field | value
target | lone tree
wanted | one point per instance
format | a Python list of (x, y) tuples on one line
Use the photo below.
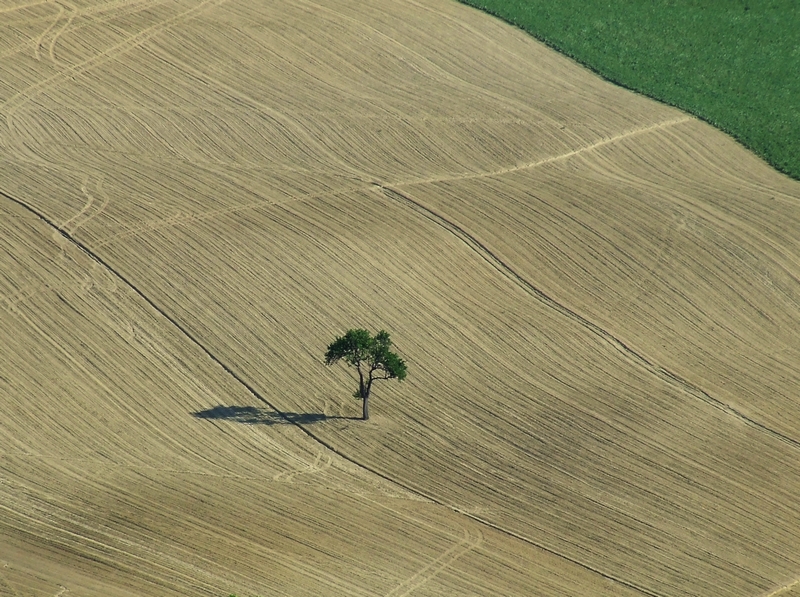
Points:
[(371, 356)]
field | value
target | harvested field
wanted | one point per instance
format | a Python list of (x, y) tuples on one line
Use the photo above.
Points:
[(597, 297)]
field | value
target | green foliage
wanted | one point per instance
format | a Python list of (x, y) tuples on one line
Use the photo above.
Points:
[(358, 348), (353, 347), (733, 63), (371, 356)]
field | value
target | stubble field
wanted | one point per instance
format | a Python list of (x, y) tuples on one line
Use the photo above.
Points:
[(597, 297)]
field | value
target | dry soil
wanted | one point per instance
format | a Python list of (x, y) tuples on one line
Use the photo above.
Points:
[(598, 298)]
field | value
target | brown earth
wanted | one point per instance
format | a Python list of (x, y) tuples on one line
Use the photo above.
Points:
[(597, 297)]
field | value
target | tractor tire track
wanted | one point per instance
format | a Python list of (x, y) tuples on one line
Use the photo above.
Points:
[(52, 48), (784, 588), (550, 160), (261, 398), (40, 39), (14, 103), (180, 219), (662, 373), (85, 215), (188, 219), (467, 544), (321, 464), (21, 6)]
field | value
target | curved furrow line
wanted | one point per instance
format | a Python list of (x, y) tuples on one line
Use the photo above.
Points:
[(710, 156), (34, 41), (167, 438), (160, 564), (40, 39), (460, 82), (599, 466), (706, 211), (187, 219), (661, 372), (116, 5), (6, 587), (260, 397), (86, 207), (52, 48), (716, 174), (129, 5), (96, 212), (17, 49), (320, 464), (310, 143), (13, 300), (181, 220), (609, 173), (100, 550), (15, 102)]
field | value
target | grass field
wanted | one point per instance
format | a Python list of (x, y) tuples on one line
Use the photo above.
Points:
[(734, 63), (597, 295)]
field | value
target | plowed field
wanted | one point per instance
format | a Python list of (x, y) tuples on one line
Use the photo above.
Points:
[(598, 298)]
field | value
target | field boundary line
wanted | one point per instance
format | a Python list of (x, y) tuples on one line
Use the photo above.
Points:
[(507, 271), (256, 394)]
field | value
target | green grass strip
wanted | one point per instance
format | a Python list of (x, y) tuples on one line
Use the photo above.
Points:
[(733, 63)]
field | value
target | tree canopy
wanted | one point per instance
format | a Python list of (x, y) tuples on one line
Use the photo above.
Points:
[(371, 356)]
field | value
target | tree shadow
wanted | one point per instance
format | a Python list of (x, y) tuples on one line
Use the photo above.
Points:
[(252, 415)]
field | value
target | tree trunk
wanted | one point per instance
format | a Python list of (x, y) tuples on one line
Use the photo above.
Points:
[(363, 390), (365, 396)]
